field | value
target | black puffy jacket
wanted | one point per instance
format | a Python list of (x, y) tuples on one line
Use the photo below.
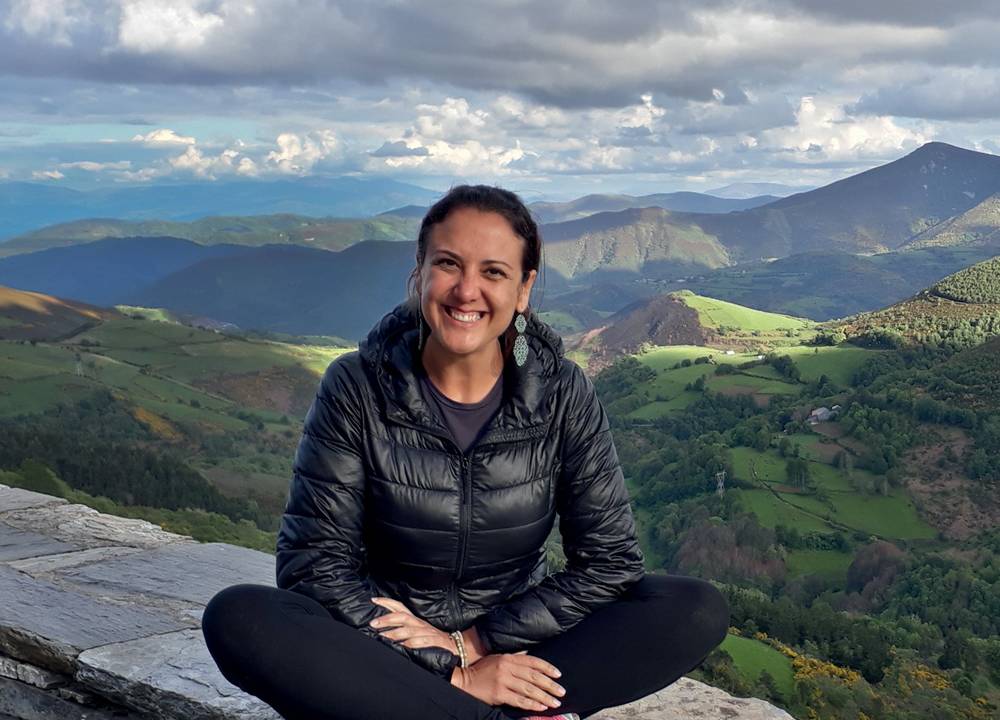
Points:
[(383, 503)]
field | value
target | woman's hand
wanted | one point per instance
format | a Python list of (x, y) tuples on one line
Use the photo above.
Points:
[(401, 625), (518, 680)]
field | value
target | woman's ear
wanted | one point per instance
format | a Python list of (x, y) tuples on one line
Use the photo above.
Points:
[(524, 292)]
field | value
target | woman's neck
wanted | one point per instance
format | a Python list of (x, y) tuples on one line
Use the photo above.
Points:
[(464, 379)]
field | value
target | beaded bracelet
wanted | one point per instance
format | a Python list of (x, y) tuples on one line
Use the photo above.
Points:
[(460, 644)]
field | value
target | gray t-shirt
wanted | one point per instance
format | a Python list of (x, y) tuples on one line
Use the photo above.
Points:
[(465, 420)]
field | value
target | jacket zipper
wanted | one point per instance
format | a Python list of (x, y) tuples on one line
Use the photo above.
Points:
[(465, 519)]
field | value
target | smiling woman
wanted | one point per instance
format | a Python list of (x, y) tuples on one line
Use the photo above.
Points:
[(411, 560)]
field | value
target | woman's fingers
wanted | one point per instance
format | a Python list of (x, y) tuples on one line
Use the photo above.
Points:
[(543, 682), (394, 605), (539, 664)]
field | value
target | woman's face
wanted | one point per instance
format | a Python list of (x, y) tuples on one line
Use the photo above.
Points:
[(472, 267)]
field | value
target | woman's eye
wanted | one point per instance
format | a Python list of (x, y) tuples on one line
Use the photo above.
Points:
[(499, 273)]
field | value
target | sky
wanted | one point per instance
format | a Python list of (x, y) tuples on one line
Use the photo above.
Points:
[(554, 99)]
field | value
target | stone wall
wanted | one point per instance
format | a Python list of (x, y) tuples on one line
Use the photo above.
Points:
[(100, 618)]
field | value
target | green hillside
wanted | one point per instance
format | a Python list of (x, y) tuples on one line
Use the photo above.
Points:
[(227, 406), (979, 284), (961, 310), (980, 225), (720, 315)]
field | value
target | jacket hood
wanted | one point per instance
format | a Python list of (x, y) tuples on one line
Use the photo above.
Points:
[(390, 352)]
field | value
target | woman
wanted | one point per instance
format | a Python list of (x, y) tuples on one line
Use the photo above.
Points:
[(411, 560)]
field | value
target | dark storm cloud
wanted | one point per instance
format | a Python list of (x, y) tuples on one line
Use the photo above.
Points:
[(571, 54)]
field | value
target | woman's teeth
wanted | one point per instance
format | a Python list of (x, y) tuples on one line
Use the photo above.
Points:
[(464, 317)]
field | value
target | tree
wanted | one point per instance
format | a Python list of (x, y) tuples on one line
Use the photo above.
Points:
[(797, 471)]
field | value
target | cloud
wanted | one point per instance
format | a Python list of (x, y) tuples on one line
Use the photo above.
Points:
[(938, 93), (297, 154), (825, 130), (163, 136), (165, 26), (91, 166), (399, 149), (52, 21), (47, 175)]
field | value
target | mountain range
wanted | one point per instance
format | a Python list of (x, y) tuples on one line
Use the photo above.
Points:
[(927, 214), (27, 206)]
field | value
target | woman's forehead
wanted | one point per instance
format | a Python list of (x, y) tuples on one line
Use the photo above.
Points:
[(473, 234)]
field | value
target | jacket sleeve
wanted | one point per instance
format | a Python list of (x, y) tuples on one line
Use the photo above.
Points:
[(320, 549), (598, 532)]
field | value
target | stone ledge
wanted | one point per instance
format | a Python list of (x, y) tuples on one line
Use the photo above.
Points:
[(101, 619)]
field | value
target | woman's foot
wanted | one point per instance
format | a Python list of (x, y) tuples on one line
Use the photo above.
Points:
[(564, 716)]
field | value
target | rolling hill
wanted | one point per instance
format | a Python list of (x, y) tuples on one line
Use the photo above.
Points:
[(107, 272), (961, 310), (552, 212), (648, 242), (979, 226), (26, 206), (684, 318), (323, 233), (35, 316)]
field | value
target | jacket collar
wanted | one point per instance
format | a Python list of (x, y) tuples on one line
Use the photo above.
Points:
[(390, 351)]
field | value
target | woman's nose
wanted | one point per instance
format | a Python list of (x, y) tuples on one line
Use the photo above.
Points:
[(467, 286)]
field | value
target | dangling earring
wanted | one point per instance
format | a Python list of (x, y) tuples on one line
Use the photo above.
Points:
[(420, 324), (520, 343)]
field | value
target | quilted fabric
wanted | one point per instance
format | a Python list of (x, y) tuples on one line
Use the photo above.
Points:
[(383, 503)]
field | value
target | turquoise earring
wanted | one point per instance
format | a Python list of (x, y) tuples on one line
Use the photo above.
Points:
[(520, 342)]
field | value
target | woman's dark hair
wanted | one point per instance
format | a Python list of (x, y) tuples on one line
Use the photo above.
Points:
[(485, 198)]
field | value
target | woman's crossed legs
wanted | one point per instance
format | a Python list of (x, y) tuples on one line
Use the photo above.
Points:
[(285, 648)]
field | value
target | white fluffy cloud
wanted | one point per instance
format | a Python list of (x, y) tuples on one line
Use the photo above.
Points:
[(167, 26), (163, 136), (298, 153), (52, 21), (825, 131), (91, 166)]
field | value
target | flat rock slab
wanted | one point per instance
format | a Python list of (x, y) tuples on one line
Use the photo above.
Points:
[(687, 699), (49, 625), (171, 676), (193, 572), (19, 701), (36, 566), (18, 499), (19, 544), (86, 528)]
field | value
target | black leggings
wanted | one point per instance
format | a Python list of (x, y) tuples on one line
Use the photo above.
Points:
[(285, 648)]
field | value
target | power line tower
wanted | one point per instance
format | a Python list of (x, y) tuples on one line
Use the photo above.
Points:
[(720, 483)]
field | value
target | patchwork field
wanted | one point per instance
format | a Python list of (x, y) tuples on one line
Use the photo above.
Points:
[(752, 657)]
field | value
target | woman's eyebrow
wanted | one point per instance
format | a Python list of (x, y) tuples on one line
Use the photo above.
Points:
[(484, 262)]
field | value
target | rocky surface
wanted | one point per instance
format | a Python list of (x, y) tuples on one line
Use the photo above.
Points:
[(100, 619)]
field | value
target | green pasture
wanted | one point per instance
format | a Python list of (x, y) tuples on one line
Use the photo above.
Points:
[(769, 465), (750, 384), (659, 408), (190, 355), (715, 313), (771, 512), (561, 322), (892, 516), (812, 447), (751, 657), (830, 564), (836, 362), (664, 357)]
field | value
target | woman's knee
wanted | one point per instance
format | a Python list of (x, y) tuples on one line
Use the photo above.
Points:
[(227, 617), (697, 603)]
